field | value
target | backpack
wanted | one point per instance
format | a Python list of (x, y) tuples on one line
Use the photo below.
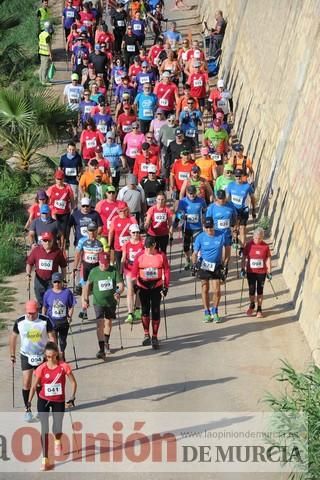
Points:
[(213, 67)]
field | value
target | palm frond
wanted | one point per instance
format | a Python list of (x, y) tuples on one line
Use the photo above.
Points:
[(15, 110), (9, 22)]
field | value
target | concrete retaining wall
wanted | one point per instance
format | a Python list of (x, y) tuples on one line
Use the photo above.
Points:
[(271, 63)]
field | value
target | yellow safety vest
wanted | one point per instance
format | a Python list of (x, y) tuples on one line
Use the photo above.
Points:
[(43, 45), (45, 16)]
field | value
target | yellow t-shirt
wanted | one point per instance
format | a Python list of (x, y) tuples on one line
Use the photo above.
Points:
[(206, 165)]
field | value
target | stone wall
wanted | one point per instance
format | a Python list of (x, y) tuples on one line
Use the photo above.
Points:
[(271, 63)]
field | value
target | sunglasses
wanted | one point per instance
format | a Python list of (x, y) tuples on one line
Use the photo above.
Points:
[(57, 281), (111, 193), (149, 138), (46, 241), (135, 233), (190, 103), (85, 206)]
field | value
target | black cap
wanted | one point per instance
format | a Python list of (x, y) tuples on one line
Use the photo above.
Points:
[(238, 172), (221, 194), (179, 131), (191, 189), (149, 242), (238, 147), (92, 226), (208, 222), (145, 146)]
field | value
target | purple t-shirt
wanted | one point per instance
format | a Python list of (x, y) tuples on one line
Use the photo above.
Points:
[(58, 304)]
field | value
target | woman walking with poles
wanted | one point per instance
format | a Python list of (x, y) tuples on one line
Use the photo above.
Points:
[(51, 376)]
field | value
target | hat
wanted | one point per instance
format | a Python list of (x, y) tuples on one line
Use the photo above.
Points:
[(90, 65), (85, 201), (216, 122), (74, 76), (208, 222), (44, 208), (132, 179), (179, 131), (111, 188), (196, 63), (159, 110), (102, 103), (149, 242), (85, 56), (204, 150), (110, 135), (238, 172), (134, 228), (221, 194), (32, 306), (97, 46), (220, 83), (191, 189), (98, 149), (228, 167), (152, 168), (171, 116), (57, 277), (92, 226), (47, 236), (145, 64), (238, 147), (122, 205), (134, 124), (145, 146), (196, 169), (59, 174), (104, 258), (185, 152), (41, 195), (166, 74)]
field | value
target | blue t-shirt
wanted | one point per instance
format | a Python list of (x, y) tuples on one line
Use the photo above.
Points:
[(189, 122), (193, 211), (113, 153), (69, 15), (85, 109), (58, 304), (172, 36), (80, 221), (222, 215), (138, 28), (121, 89), (144, 77), (71, 167), (103, 122), (239, 193), (210, 247), (147, 105)]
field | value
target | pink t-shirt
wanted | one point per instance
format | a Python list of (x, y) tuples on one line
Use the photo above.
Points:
[(134, 143), (156, 125)]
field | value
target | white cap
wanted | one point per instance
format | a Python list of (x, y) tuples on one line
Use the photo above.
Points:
[(134, 228), (166, 74), (152, 168), (220, 83), (85, 201)]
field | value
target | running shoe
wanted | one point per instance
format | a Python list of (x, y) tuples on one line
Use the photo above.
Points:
[(108, 349), (45, 465), (215, 318), (129, 319), (146, 341), (251, 311), (137, 315), (259, 314), (28, 417), (155, 343), (101, 355), (207, 318), (187, 265)]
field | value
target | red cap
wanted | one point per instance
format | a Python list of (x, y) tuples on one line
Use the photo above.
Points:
[(104, 258), (47, 236), (59, 174), (122, 205), (32, 306)]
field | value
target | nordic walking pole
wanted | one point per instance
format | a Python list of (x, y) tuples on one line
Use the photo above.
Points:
[(118, 315), (165, 317), (74, 348), (29, 286), (195, 287), (225, 296), (170, 250), (13, 405), (274, 292), (241, 293)]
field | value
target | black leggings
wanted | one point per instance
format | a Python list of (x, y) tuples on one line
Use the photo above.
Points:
[(256, 283), (161, 242), (62, 333), (57, 409), (150, 299)]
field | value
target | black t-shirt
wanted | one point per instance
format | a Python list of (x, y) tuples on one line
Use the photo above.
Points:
[(119, 20), (131, 41), (99, 61), (152, 187), (174, 150)]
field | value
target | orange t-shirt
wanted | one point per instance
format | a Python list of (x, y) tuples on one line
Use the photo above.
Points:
[(88, 177), (206, 165), (181, 172)]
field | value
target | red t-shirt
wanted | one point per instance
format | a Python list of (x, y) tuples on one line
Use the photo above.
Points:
[(89, 140), (87, 19), (153, 53), (134, 70), (159, 221), (151, 268), (195, 54), (60, 198), (141, 163), (257, 255), (103, 165), (46, 263), (53, 381), (166, 95), (131, 250), (120, 227), (181, 172), (107, 211), (198, 82), (154, 150), (125, 121)]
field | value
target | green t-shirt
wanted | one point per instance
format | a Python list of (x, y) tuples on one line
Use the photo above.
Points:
[(222, 182), (216, 138), (104, 285)]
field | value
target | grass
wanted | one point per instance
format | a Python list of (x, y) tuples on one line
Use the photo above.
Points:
[(7, 295)]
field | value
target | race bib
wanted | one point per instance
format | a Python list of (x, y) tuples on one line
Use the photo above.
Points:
[(104, 285), (51, 390), (198, 83), (160, 217), (71, 172), (117, 80), (144, 80), (223, 223), (147, 112), (103, 128), (120, 23), (84, 231), (127, 128), (256, 263), (87, 23), (131, 48), (133, 152), (236, 199), (150, 273), (87, 109), (59, 311), (151, 201), (91, 257), (208, 266), (113, 171), (60, 204), (163, 102), (35, 360), (144, 167), (137, 26), (191, 133), (123, 240), (216, 157), (70, 14), (91, 143), (223, 104), (132, 255), (45, 264), (192, 218), (183, 175)]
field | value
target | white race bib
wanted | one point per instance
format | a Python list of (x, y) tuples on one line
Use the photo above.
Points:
[(120, 23), (103, 128), (45, 264), (183, 175), (113, 171), (191, 133), (133, 152), (84, 231), (208, 266), (123, 240), (60, 204), (160, 217), (143, 80), (223, 223), (105, 284), (91, 257), (71, 172), (87, 109), (132, 255), (35, 360), (131, 48), (163, 102), (137, 26), (256, 263), (192, 218), (236, 200), (198, 83), (144, 167), (223, 104), (150, 273), (127, 128), (70, 14), (59, 311), (151, 201), (51, 390), (147, 112), (216, 157), (91, 143)]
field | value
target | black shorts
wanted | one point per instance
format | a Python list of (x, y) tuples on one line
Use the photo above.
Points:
[(207, 275), (87, 267), (243, 216), (104, 312), (24, 363), (201, 101), (62, 221)]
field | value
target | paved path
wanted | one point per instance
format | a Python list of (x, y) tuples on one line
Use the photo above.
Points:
[(201, 367)]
